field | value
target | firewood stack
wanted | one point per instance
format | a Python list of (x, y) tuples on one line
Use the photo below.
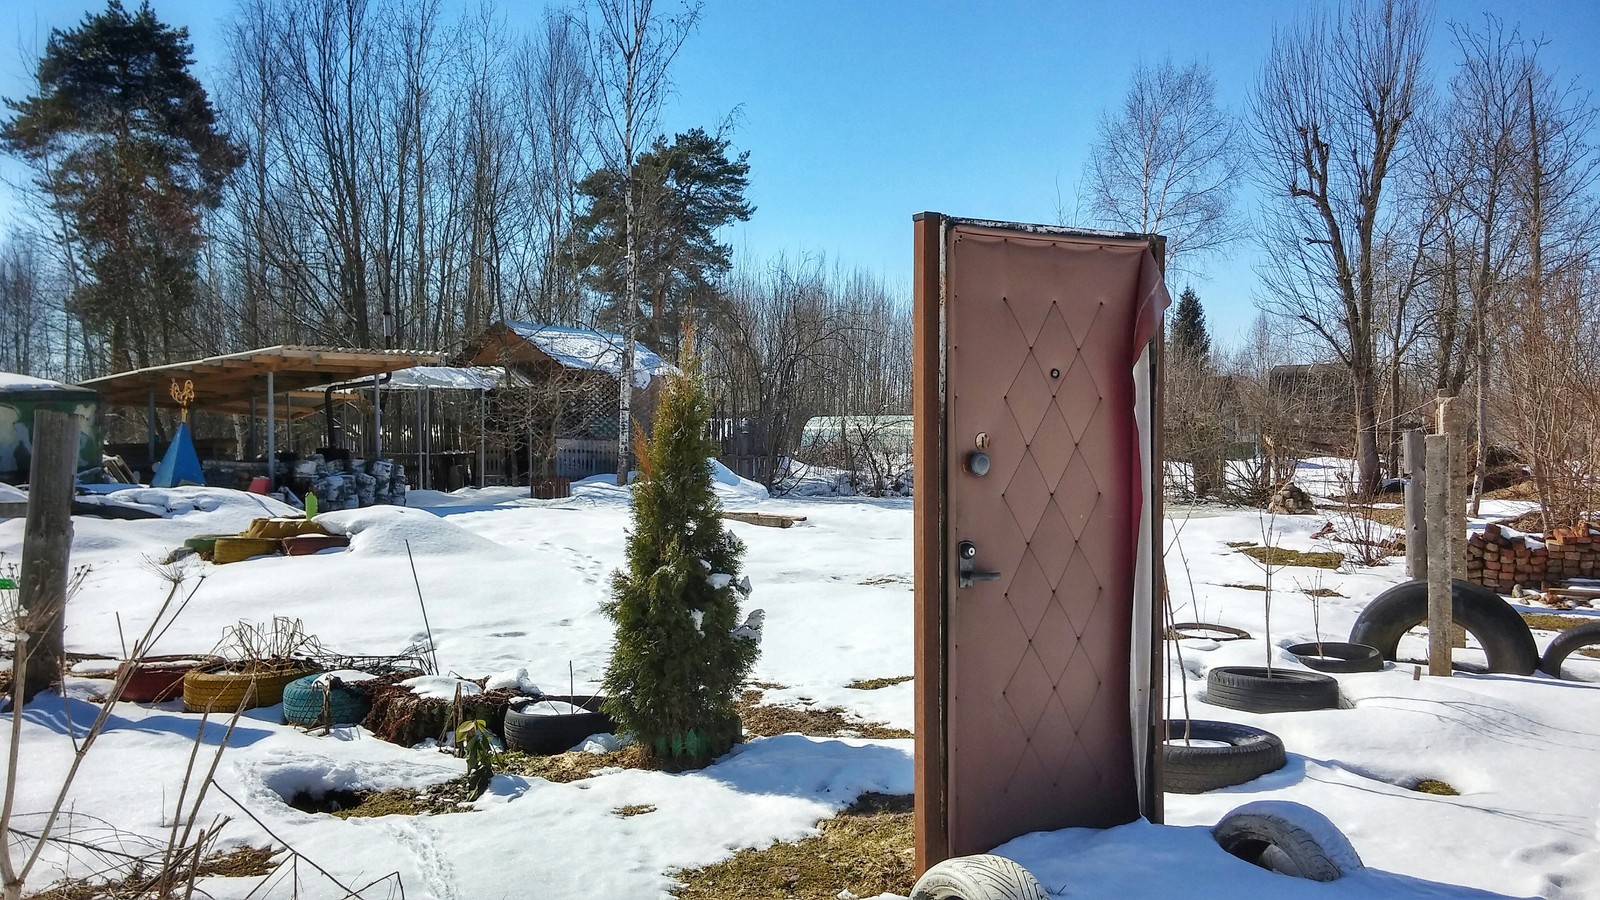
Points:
[(1498, 560)]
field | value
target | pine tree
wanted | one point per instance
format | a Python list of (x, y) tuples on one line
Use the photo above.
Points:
[(676, 666), (127, 147), (684, 192), (1189, 335)]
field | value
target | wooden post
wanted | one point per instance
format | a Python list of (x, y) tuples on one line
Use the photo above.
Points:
[(46, 547), (272, 435), (1416, 506), (1440, 614)]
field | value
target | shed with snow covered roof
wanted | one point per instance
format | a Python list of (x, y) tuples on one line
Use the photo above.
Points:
[(23, 395), (564, 421)]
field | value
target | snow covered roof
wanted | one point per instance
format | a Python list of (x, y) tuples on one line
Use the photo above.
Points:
[(451, 378), (597, 351), (11, 381)]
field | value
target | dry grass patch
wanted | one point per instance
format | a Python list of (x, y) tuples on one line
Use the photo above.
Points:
[(450, 797), (1283, 556), (874, 684), (634, 809), (1320, 592), (1435, 786), (576, 765), (867, 850), (1548, 622), (1245, 587), (813, 721), (244, 862), (1240, 544)]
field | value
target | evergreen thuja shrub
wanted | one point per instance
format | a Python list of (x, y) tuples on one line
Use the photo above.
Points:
[(676, 667)]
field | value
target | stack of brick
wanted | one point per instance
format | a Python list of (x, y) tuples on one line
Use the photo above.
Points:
[(1500, 559), (1574, 552)]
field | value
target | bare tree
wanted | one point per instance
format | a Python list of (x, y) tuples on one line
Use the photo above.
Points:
[(553, 90), (1549, 401), (1332, 109), (1168, 161), (631, 52)]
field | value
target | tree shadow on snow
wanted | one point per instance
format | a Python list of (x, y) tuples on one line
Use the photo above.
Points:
[(75, 717), (1144, 860), (829, 769)]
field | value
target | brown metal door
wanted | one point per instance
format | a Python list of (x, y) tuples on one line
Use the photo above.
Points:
[(1040, 501)]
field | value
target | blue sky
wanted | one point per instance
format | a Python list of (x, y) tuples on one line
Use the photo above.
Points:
[(859, 114)]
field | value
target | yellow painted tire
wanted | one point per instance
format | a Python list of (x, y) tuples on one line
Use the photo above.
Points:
[(223, 693), (235, 549)]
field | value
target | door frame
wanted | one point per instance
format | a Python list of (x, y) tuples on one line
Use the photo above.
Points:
[(931, 563)]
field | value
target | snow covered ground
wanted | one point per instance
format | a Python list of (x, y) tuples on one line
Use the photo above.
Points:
[(514, 583)]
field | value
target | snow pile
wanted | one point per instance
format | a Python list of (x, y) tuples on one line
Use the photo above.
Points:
[(9, 494), (551, 708), (602, 743), (179, 501), (733, 490), (387, 530), (346, 676), (513, 680), (440, 687)]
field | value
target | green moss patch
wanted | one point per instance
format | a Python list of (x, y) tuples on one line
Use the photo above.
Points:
[(869, 849)]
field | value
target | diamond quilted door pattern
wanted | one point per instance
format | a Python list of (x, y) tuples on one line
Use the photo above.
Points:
[(1037, 353)]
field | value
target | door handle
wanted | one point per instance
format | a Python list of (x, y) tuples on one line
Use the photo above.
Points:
[(966, 552)]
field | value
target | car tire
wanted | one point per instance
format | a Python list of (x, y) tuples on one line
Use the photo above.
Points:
[(981, 877), (1255, 689), (1338, 656), (1188, 769), (303, 704), (1288, 838), (1505, 638), (547, 734), (1573, 639)]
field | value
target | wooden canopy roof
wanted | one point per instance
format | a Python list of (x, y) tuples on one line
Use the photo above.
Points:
[(226, 383)]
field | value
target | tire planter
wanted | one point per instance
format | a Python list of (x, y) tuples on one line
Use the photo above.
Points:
[(1575, 638), (219, 692), (1505, 638), (1338, 656), (1250, 753), (982, 877), (303, 703), (205, 544), (1211, 632), (1251, 689), (548, 734), (158, 678), (307, 544), (234, 549), (1288, 838)]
